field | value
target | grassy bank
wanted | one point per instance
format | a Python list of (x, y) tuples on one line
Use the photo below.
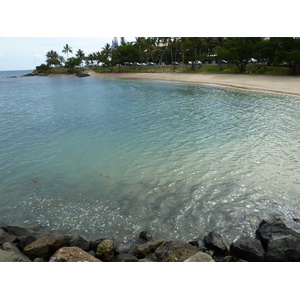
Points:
[(203, 69)]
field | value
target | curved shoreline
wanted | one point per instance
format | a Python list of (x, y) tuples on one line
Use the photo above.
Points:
[(261, 83)]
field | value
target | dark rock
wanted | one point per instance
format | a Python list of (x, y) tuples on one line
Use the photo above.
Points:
[(44, 247), (22, 241), (82, 74), (214, 241), (272, 229), (147, 235), (6, 237), (248, 249), (194, 243), (10, 253), (76, 241), (280, 242), (175, 251), (72, 254), (106, 250), (17, 231), (125, 257), (147, 248), (92, 252)]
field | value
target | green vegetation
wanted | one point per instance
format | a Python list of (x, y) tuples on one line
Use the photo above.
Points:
[(211, 55)]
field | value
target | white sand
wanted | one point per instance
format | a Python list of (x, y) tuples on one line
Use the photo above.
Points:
[(266, 83)]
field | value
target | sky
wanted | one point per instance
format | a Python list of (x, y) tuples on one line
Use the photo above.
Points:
[(25, 53), (28, 30)]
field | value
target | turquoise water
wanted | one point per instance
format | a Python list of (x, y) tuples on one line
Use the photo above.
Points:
[(104, 156)]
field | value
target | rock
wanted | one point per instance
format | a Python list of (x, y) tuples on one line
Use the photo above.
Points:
[(147, 235), (39, 259), (76, 241), (106, 250), (200, 257), (10, 253), (148, 248), (94, 244), (6, 237), (123, 248), (248, 249), (175, 251), (125, 257), (145, 260), (17, 231), (72, 254), (280, 242), (22, 241), (82, 74), (43, 247), (214, 241)]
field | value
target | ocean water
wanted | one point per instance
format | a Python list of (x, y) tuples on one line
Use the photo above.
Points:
[(112, 157)]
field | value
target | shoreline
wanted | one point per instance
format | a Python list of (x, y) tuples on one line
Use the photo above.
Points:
[(259, 83), (273, 242)]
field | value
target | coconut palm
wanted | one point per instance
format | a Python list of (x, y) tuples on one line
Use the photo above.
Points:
[(80, 55), (52, 58), (67, 49)]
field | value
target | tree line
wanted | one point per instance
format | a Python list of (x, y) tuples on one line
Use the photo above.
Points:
[(168, 50)]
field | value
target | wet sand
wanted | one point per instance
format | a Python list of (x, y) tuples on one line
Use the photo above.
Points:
[(263, 83)]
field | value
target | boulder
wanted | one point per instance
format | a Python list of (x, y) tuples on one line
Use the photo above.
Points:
[(72, 254), (6, 237), (106, 250), (10, 253), (94, 244), (82, 74), (44, 247), (200, 257), (248, 249), (175, 251), (76, 241), (125, 257), (145, 260), (147, 248), (280, 242), (214, 241), (147, 235), (17, 231), (22, 241)]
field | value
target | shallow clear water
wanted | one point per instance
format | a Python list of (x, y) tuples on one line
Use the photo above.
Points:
[(103, 156)]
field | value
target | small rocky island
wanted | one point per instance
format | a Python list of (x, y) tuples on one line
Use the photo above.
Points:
[(273, 242)]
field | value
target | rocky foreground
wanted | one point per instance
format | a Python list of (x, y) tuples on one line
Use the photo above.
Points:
[(274, 242)]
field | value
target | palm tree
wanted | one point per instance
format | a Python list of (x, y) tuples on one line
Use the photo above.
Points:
[(67, 50), (52, 58), (80, 55)]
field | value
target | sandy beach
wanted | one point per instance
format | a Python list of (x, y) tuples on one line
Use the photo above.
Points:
[(263, 83)]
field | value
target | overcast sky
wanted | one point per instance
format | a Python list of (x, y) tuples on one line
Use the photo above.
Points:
[(28, 30), (25, 53)]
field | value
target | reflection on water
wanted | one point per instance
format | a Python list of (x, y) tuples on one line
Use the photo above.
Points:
[(114, 157)]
